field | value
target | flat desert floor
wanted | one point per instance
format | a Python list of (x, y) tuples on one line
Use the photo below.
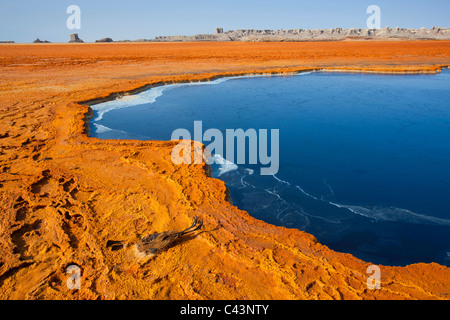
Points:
[(65, 195)]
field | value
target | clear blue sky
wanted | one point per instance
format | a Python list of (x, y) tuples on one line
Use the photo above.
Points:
[(26, 20)]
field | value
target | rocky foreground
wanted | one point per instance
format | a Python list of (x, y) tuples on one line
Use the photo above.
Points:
[(64, 195)]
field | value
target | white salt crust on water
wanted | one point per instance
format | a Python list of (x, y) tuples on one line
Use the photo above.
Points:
[(149, 96)]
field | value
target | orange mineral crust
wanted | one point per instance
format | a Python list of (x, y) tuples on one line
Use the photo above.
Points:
[(65, 196)]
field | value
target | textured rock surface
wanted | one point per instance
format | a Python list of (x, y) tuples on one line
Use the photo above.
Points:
[(64, 195)]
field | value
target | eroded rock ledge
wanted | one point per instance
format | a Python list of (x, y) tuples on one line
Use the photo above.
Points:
[(333, 34)]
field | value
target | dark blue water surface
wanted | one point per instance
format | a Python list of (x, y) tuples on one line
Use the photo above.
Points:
[(364, 159)]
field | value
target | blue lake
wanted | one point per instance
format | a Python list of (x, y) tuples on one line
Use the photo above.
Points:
[(364, 159)]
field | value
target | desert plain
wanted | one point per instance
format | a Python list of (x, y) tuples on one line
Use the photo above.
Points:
[(64, 195)]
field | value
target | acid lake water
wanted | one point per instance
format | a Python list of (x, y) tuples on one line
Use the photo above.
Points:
[(364, 159)]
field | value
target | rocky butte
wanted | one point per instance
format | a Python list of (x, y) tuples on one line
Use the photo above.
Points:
[(74, 38)]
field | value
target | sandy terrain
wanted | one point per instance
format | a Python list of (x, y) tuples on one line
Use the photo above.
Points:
[(64, 195)]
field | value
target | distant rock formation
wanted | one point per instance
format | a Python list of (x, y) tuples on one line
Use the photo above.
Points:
[(199, 37), (333, 34), (75, 39), (40, 41), (105, 40), (8, 41)]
